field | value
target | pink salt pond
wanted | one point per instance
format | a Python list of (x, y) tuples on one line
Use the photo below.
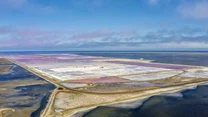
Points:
[(100, 80)]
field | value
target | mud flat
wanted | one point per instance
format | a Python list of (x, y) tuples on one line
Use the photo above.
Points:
[(5, 69), (21, 91), (190, 103), (69, 103), (3, 110), (4, 61), (86, 82)]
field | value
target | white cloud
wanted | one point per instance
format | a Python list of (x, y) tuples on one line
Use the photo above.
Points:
[(11, 37), (197, 10), (175, 45)]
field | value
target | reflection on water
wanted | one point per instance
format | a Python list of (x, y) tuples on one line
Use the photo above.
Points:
[(24, 92), (18, 73), (43, 104), (194, 103)]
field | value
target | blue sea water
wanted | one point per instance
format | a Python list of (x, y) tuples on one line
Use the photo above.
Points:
[(198, 58), (194, 103), (187, 58)]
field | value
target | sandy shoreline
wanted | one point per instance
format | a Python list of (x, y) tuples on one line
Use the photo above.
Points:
[(141, 96), (111, 98)]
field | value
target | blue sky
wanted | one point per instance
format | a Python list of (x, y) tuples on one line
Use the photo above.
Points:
[(103, 25)]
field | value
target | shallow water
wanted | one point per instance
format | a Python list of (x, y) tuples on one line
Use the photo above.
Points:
[(27, 95), (186, 58), (194, 103), (43, 104), (18, 73)]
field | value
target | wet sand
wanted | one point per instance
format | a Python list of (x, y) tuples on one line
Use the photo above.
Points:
[(4, 69), (66, 101), (20, 91)]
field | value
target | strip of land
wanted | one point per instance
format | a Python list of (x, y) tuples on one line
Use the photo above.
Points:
[(85, 82)]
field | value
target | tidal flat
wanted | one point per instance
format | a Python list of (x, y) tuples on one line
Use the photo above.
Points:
[(193, 103), (22, 94), (86, 82)]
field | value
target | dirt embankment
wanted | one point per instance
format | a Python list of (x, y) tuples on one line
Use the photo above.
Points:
[(5, 61)]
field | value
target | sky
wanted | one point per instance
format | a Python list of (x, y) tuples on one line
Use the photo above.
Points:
[(93, 25)]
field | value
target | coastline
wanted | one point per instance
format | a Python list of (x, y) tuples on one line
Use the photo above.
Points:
[(141, 95)]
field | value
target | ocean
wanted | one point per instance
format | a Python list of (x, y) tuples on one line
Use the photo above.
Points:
[(198, 58), (193, 103)]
